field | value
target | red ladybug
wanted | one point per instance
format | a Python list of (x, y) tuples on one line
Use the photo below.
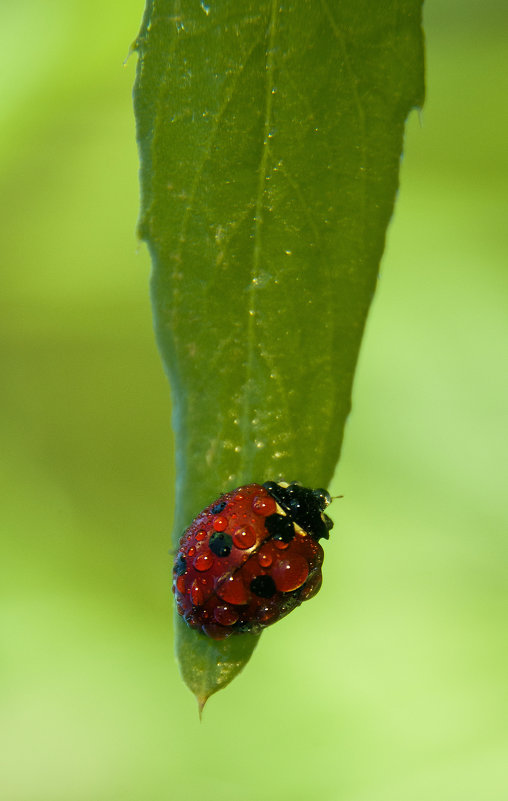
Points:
[(251, 557)]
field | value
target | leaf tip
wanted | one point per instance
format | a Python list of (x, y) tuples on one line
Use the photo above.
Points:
[(201, 704)]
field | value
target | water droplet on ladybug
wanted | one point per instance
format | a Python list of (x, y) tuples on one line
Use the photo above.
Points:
[(180, 585), (244, 537), (264, 506), (265, 558), (220, 523), (281, 545), (192, 550), (203, 561), (289, 574), (200, 536), (225, 615), (233, 591)]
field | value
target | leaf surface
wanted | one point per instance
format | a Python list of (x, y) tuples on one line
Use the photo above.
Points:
[(270, 136)]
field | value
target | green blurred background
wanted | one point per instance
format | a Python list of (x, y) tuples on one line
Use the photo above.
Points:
[(391, 685)]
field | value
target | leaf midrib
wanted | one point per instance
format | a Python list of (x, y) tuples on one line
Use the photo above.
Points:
[(248, 452)]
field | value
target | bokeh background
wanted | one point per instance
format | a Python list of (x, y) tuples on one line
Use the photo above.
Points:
[(391, 685)]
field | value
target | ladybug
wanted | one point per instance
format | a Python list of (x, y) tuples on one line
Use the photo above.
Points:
[(251, 557)]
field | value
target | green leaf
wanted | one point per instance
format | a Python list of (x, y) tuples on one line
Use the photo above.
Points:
[(270, 136)]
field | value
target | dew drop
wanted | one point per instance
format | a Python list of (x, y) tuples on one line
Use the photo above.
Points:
[(264, 506), (200, 536), (203, 561), (265, 558), (233, 591), (225, 615), (289, 574), (244, 537), (192, 550), (220, 523), (281, 545), (180, 585)]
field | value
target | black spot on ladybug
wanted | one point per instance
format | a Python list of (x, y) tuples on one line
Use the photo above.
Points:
[(221, 543), (263, 586), (180, 565), (280, 527), (218, 507)]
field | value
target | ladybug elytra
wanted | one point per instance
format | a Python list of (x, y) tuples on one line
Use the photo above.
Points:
[(251, 557)]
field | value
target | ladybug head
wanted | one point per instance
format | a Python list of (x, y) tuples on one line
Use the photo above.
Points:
[(303, 506)]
